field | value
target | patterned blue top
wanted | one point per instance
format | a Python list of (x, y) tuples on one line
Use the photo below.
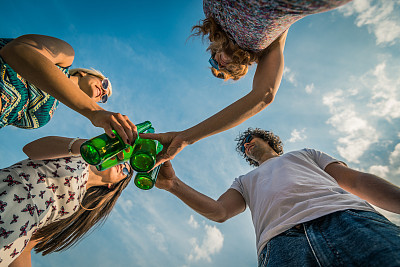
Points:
[(23, 104)]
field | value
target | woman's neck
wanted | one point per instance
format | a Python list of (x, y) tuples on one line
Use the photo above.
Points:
[(94, 179)]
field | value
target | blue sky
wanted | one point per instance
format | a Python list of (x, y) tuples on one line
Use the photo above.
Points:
[(340, 94)]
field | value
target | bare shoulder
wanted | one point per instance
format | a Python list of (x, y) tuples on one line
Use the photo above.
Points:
[(55, 49)]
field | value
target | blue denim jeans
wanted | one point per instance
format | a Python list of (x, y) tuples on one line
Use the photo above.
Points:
[(343, 238)]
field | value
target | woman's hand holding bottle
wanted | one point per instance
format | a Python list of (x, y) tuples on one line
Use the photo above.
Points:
[(111, 120)]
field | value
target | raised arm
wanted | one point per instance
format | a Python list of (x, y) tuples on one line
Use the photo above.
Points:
[(34, 57), (228, 204), (369, 187), (266, 82), (52, 147)]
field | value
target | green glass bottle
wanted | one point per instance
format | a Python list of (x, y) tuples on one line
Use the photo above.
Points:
[(100, 148), (143, 157), (147, 180), (113, 161)]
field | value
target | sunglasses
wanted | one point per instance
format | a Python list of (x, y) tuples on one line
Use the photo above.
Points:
[(246, 140), (213, 63), (105, 83), (125, 170)]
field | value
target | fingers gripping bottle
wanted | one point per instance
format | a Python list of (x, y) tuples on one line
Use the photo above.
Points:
[(143, 157), (100, 148), (147, 180)]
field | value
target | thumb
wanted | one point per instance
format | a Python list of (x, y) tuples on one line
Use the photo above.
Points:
[(162, 157)]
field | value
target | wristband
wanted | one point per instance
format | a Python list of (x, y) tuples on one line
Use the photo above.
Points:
[(70, 145)]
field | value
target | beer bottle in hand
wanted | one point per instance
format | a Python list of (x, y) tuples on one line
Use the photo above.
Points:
[(100, 148)]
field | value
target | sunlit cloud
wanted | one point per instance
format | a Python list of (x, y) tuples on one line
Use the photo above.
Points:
[(126, 205), (356, 133), (379, 170), (192, 222), (359, 111), (297, 135), (309, 88), (385, 100), (212, 243), (158, 237), (382, 18), (394, 158), (290, 76)]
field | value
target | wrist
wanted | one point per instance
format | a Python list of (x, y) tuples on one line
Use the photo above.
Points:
[(186, 137), (76, 146), (175, 185), (89, 112)]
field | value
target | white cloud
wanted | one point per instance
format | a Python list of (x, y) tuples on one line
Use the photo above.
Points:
[(297, 135), (309, 88), (125, 204), (192, 222), (379, 170), (211, 244), (158, 237), (356, 133), (381, 17), (385, 100), (289, 75), (359, 111), (394, 158)]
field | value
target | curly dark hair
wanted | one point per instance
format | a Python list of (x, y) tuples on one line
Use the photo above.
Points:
[(273, 140)]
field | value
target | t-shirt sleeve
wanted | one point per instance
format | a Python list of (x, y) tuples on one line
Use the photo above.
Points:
[(320, 158), (238, 185)]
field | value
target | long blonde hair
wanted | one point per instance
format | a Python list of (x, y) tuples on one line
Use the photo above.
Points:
[(97, 205), (220, 41), (93, 72)]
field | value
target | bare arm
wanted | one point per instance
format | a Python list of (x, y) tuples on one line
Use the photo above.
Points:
[(266, 82), (369, 187), (24, 259), (52, 147), (228, 204), (34, 57)]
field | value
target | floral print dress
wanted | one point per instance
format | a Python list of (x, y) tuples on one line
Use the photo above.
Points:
[(34, 193)]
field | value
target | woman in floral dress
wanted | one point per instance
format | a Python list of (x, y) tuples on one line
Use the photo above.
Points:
[(50, 200)]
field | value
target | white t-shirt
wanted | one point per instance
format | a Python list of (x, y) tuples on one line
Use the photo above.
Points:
[(291, 189)]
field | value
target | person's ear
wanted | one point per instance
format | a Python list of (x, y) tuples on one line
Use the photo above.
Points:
[(110, 186)]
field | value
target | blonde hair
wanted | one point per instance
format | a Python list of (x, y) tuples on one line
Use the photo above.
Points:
[(221, 41), (93, 72)]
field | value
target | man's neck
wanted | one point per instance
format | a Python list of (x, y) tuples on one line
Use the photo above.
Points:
[(266, 156)]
